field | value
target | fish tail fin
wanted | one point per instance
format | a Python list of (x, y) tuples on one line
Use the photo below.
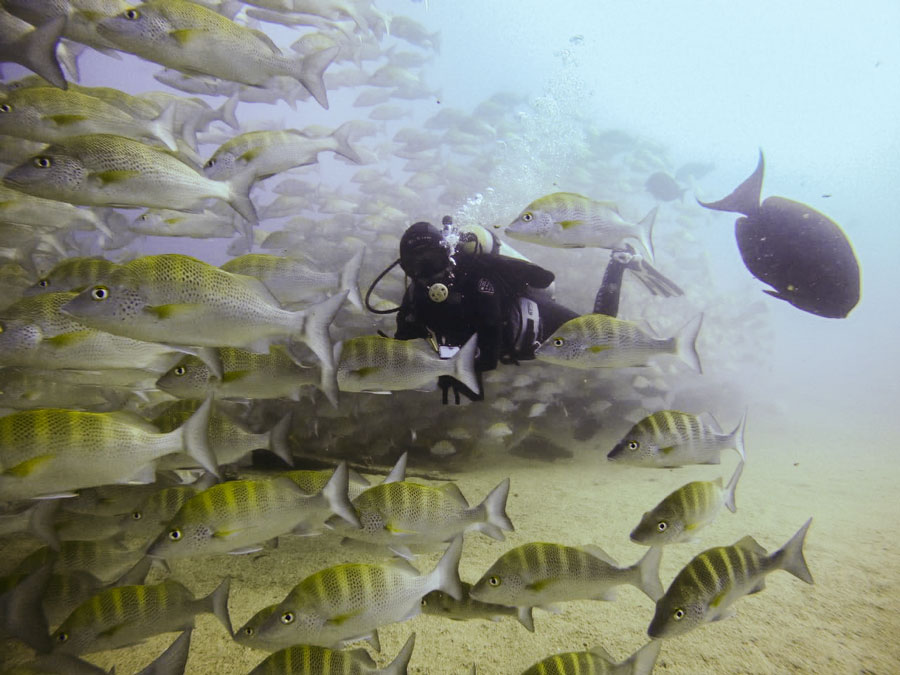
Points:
[(335, 493), (278, 439), (737, 437), (647, 573), (195, 440), (464, 364), (525, 617), (239, 196), (350, 279), (314, 323), (790, 556), (341, 135), (227, 109), (36, 50), (311, 73), (161, 127), (400, 663), (686, 343), (645, 232), (42, 522), (217, 602), (28, 622), (643, 660), (494, 506), (67, 54), (445, 576), (745, 198), (732, 485)]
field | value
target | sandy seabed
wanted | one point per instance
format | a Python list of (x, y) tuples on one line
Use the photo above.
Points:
[(843, 475)]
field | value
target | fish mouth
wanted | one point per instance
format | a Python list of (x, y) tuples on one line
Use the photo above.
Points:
[(614, 454)]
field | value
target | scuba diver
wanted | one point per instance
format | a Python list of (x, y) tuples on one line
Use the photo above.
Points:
[(470, 288)]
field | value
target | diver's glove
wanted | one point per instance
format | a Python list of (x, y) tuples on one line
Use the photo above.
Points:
[(446, 383), (653, 280)]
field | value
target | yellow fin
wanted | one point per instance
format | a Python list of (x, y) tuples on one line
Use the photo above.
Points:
[(667, 449), (717, 599), (596, 349), (566, 224), (396, 530), (234, 375), (63, 120), (116, 176), (365, 371), (28, 467), (250, 155), (342, 618), (184, 35), (68, 339), (169, 311), (539, 585)]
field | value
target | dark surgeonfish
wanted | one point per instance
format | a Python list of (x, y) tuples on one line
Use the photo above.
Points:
[(801, 253)]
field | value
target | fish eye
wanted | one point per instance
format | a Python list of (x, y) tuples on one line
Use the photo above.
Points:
[(633, 445), (137, 515), (527, 217), (494, 581), (5, 107), (558, 342), (180, 370), (132, 14), (248, 631), (424, 602), (62, 637), (42, 162), (100, 293), (211, 162), (287, 618), (43, 283), (662, 526), (678, 614), (175, 535)]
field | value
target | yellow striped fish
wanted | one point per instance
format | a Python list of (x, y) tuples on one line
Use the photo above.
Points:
[(381, 364), (312, 660), (107, 560), (569, 220), (248, 634), (401, 514), (177, 299), (672, 438), (351, 601), (244, 375), (677, 518), (600, 341), (49, 452), (126, 615), (148, 519), (238, 516), (597, 661), (710, 583), (540, 574), (72, 274), (439, 603)]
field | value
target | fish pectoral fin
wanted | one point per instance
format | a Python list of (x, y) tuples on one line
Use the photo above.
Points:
[(28, 467), (235, 375), (227, 534), (105, 178), (184, 35), (68, 339), (539, 585), (718, 599), (726, 613), (568, 224), (596, 349), (64, 120), (250, 155), (394, 529), (669, 448), (171, 311), (341, 619), (365, 371), (761, 586)]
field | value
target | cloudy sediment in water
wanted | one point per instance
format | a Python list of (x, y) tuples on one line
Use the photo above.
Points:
[(377, 114)]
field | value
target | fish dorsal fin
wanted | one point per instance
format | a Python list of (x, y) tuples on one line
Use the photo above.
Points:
[(598, 552), (602, 653), (452, 491), (612, 206), (709, 419), (748, 543), (362, 656), (267, 40)]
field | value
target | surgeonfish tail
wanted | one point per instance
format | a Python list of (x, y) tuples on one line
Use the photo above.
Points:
[(645, 232), (647, 569), (311, 73), (278, 439), (161, 127), (36, 50), (341, 135), (686, 344), (790, 556), (643, 660), (335, 493), (195, 440), (737, 437), (730, 488), (495, 510), (314, 332), (464, 364), (525, 617), (350, 279), (745, 198), (445, 577), (400, 663), (217, 602)]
